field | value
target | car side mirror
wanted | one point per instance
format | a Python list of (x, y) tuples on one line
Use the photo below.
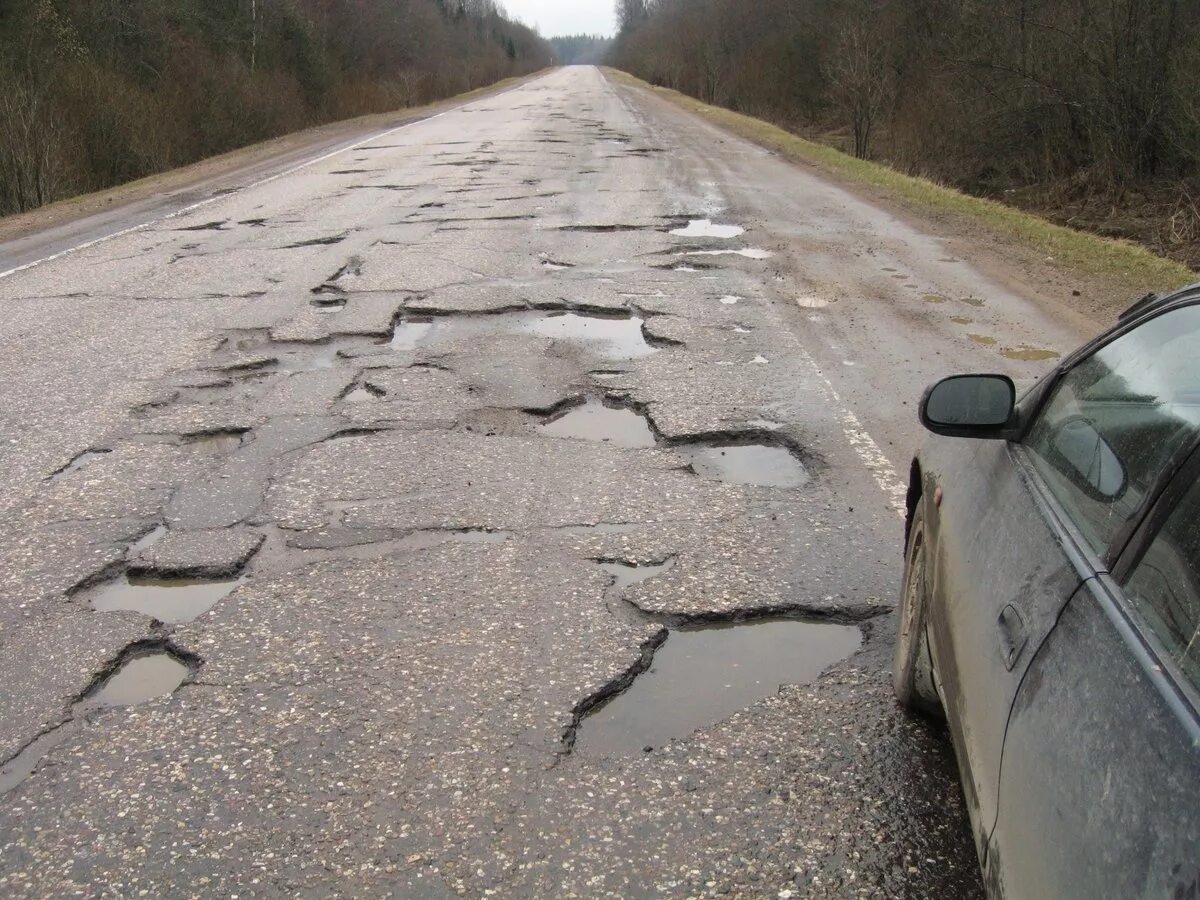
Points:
[(971, 406)]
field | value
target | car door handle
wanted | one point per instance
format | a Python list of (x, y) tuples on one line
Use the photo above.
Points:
[(1013, 635)]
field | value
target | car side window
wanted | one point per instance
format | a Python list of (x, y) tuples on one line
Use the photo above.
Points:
[(1116, 419), (1164, 586)]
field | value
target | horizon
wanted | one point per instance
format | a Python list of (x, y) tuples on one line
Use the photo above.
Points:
[(551, 19)]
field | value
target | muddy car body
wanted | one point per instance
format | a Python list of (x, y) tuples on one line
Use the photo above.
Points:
[(1051, 609)]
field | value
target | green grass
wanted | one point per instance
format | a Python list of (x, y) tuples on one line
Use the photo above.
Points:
[(1131, 265)]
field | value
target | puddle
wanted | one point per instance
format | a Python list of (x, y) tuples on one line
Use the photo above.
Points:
[(685, 269), (612, 337), (812, 302), (741, 329), (1029, 354), (701, 676), (21, 766), (361, 394), (731, 300), (760, 361), (706, 228), (961, 320), (308, 358), (619, 338), (748, 252), (625, 575), (216, 441), (426, 540), (141, 677), (985, 339), (147, 540), (169, 600), (77, 463), (596, 421), (757, 464), (977, 302), (934, 298), (408, 333)]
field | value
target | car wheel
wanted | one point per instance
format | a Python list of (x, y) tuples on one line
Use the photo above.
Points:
[(912, 670)]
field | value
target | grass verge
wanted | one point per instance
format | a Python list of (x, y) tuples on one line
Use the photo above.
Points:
[(1128, 264)]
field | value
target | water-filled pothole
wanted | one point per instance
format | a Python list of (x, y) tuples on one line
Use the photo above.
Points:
[(1029, 354), (706, 228), (747, 252), (758, 464), (139, 679), (614, 337), (597, 421), (701, 676), (625, 575), (143, 676), (169, 600), (76, 464)]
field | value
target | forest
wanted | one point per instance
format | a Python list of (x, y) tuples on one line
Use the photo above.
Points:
[(94, 93), (1087, 111)]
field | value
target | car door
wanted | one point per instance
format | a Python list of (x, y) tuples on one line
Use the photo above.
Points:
[(1024, 524), (1100, 785), (1001, 574), (1110, 445)]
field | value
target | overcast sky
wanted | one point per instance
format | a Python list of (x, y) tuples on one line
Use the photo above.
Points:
[(555, 17)]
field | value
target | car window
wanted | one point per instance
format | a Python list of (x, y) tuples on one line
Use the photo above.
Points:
[(1164, 587), (1115, 420)]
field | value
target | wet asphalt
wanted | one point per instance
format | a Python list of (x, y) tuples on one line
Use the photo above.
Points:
[(324, 508)]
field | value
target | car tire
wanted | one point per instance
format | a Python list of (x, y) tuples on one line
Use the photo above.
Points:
[(912, 669)]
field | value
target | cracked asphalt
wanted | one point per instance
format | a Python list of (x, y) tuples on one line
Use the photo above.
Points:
[(334, 384)]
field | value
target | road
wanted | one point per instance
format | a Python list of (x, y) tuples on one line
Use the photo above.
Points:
[(429, 426)]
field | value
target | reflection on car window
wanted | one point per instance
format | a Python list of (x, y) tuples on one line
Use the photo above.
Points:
[(1116, 419), (1164, 587)]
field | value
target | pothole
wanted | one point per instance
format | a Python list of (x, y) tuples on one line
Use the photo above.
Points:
[(749, 463), (626, 575), (425, 540), (362, 393), (706, 228), (148, 540), (77, 463), (328, 303), (613, 337), (747, 252), (142, 675), (216, 441), (596, 420), (171, 600), (703, 675)]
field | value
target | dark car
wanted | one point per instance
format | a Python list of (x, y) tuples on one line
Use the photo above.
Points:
[(1051, 610)]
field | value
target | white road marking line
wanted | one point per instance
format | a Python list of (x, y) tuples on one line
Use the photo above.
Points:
[(202, 203), (868, 451)]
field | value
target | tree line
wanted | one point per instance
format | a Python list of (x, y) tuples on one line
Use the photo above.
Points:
[(94, 93), (1063, 102), (580, 49)]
